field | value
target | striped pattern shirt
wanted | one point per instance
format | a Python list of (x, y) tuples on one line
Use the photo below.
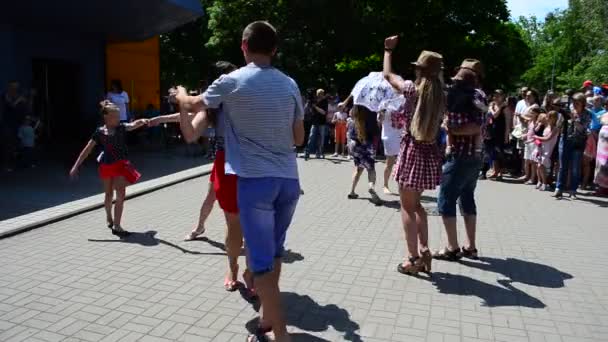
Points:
[(260, 105)]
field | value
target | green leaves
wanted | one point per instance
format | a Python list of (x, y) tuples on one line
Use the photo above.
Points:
[(571, 42), (333, 43), (369, 63)]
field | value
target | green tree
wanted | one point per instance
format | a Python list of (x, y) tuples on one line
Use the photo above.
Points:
[(333, 43), (568, 47)]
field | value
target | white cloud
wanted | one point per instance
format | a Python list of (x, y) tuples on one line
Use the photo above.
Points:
[(539, 8)]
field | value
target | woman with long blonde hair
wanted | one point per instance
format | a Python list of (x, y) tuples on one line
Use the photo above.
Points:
[(419, 162)]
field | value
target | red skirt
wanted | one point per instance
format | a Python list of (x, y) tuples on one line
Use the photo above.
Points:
[(224, 185), (121, 168)]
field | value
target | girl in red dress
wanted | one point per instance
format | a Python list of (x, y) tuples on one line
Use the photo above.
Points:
[(115, 170)]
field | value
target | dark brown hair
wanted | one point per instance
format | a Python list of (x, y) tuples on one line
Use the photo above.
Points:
[(261, 37), (116, 84)]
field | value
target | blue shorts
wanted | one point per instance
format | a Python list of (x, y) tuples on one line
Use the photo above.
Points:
[(458, 183), (266, 207)]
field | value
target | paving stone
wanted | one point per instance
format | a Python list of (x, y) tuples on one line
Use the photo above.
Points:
[(73, 281)]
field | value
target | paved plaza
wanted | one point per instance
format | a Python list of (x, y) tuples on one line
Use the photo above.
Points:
[(542, 275)]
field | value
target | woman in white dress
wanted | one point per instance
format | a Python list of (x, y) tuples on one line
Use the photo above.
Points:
[(390, 117)]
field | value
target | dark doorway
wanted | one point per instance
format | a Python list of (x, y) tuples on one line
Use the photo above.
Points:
[(59, 86)]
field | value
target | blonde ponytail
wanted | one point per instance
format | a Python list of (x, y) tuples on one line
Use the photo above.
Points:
[(430, 107)]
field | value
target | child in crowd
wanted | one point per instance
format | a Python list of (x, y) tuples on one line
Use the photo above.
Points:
[(547, 141), (339, 120), (350, 124), (362, 133), (27, 139), (537, 147), (115, 170), (530, 119), (479, 103)]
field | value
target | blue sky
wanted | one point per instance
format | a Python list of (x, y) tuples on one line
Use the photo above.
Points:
[(539, 8)]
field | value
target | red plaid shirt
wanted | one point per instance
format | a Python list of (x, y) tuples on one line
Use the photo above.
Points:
[(463, 145)]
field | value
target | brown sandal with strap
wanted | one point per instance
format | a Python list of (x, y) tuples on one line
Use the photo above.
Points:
[(427, 260), (447, 255), (470, 253), (412, 267)]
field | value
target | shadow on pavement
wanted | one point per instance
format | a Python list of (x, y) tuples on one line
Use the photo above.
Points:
[(396, 204), (428, 199), (148, 239), (306, 314), (492, 295), (289, 256), (521, 271), (213, 243), (601, 202), (392, 204)]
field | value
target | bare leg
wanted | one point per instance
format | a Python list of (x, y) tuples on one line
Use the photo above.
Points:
[(356, 176), (234, 242), (410, 200), (270, 297), (120, 185), (450, 230), (423, 227), (543, 174), (390, 163), (205, 211), (498, 167), (264, 322), (525, 177), (108, 189), (533, 172), (470, 223), (371, 179)]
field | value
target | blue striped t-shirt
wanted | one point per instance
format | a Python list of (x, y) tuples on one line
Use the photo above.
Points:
[(260, 105)]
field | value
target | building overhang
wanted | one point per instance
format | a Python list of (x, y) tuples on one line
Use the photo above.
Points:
[(129, 20)]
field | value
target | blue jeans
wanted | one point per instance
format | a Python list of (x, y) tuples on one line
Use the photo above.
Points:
[(458, 183), (569, 160), (316, 140), (266, 207)]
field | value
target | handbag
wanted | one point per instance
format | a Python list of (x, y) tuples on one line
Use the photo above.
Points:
[(518, 132), (576, 135), (130, 173)]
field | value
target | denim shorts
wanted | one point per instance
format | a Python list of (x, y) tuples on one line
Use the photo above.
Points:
[(458, 183), (266, 207)]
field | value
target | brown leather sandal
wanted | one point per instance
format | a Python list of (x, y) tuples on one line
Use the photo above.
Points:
[(447, 255), (412, 267)]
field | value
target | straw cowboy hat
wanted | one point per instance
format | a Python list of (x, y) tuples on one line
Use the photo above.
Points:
[(474, 65), (429, 60)]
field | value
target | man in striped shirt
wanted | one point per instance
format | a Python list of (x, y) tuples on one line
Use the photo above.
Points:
[(264, 119)]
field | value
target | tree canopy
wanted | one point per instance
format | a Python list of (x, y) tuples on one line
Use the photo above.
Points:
[(333, 43), (569, 45)]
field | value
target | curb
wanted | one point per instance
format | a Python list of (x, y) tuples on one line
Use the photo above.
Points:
[(22, 224)]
